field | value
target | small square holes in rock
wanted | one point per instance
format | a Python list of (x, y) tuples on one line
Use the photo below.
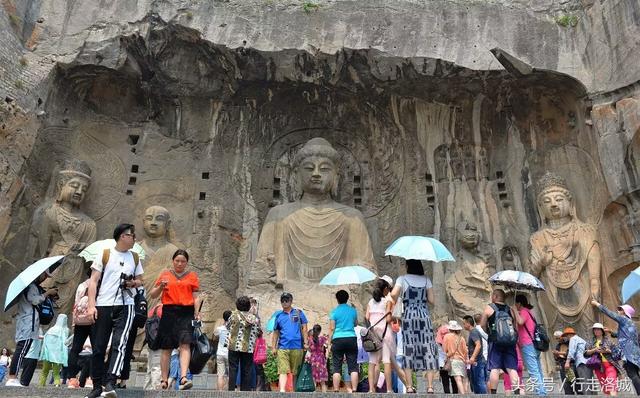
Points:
[(205, 175), (132, 180), (203, 196), (134, 168), (129, 192), (133, 139)]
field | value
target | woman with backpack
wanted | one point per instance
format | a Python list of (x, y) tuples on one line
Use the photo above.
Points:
[(526, 329), (179, 289), (380, 307), (415, 291), (601, 361), (82, 323), (27, 324), (627, 339)]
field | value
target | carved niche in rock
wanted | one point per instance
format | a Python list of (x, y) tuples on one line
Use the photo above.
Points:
[(59, 227), (468, 287), (463, 160), (565, 254)]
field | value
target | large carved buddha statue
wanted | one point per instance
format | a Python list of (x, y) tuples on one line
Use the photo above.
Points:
[(565, 254), (468, 287), (303, 240), (59, 227)]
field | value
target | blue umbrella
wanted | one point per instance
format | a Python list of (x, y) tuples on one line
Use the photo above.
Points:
[(419, 248), (631, 285), (353, 274), (26, 277), (517, 280)]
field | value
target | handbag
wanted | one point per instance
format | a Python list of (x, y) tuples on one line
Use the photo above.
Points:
[(447, 362), (371, 342), (304, 382), (594, 362), (260, 352), (201, 351)]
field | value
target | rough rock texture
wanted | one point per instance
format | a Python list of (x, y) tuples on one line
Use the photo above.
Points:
[(198, 106)]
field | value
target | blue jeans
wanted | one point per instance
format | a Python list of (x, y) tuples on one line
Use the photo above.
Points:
[(479, 377), (531, 359)]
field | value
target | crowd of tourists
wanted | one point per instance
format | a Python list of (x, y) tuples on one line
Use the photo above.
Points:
[(397, 340)]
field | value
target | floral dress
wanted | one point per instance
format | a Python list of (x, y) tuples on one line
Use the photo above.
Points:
[(318, 359)]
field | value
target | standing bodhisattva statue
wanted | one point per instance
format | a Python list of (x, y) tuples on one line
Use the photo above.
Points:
[(303, 240), (565, 254), (59, 227)]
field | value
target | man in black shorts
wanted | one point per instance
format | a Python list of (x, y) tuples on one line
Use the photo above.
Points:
[(500, 358)]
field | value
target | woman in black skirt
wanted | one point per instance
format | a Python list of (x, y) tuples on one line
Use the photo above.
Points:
[(180, 306)]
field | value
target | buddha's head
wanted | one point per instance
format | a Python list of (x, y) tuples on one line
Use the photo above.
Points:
[(468, 234), (156, 221), (316, 167), (554, 198), (73, 182)]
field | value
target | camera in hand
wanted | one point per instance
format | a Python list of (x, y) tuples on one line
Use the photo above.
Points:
[(196, 323), (124, 278)]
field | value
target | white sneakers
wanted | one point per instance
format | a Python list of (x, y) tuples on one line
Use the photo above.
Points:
[(13, 383)]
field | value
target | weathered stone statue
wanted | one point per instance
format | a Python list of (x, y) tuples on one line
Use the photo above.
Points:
[(468, 286), (157, 247), (565, 254), (158, 251), (303, 240), (59, 227)]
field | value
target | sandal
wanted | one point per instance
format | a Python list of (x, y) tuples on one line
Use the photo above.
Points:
[(164, 385), (429, 390), (411, 390), (185, 383)]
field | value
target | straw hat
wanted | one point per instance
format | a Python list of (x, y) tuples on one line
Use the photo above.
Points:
[(567, 331), (453, 325), (388, 279), (557, 333), (598, 325)]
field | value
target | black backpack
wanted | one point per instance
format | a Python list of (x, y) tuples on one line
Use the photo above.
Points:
[(540, 337), (151, 330), (45, 310), (503, 332)]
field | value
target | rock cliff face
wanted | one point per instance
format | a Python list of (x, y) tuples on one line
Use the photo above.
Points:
[(198, 106)]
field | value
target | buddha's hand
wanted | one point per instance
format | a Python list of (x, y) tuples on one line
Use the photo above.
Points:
[(546, 257), (595, 289), (595, 303)]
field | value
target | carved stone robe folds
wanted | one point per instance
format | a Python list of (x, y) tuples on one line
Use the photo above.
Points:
[(566, 301), (302, 243)]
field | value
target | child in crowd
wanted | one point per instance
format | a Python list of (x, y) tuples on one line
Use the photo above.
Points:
[(174, 370), (5, 361), (222, 353), (54, 350), (317, 357)]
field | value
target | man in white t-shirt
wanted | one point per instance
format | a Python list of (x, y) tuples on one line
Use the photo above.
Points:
[(111, 298), (222, 353)]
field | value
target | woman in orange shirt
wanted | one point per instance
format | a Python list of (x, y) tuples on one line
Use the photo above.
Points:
[(179, 290)]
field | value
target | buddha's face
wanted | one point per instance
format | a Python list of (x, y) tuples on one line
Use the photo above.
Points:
[(555, 204), (468, 235), (73, 190), (317, 174), (155, 223)]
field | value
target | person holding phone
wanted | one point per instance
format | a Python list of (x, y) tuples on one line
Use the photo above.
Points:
[(180, 307)]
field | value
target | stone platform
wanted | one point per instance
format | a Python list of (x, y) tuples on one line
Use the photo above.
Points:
[(49, 392)]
